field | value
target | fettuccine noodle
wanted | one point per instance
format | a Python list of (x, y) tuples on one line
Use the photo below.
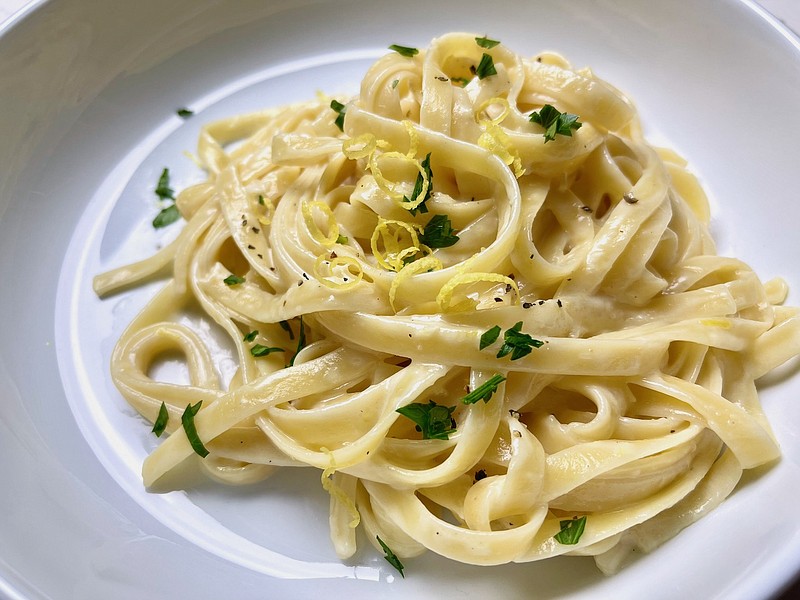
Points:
[(632, 400)]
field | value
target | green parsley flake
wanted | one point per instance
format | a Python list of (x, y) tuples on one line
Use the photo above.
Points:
[(342, 239), (166, 216), (571, 531), (555, 122), (485, 42), (489, 337), (394, 83), (485, 68), (187, 420), (161, 421), (433, 420), (301, 340), (259, 350), (249, 337), (233, 280), (439, 233), (163, 191), (404, 50), (460, 80), (184, 113), (341, 109), (421, 207), (517, 344), (484, 391), (390, 557), (287, 328)]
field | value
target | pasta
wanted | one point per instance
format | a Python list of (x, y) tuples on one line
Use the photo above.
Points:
[(475, 300)]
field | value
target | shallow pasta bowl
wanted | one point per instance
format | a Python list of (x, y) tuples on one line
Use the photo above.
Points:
[(88, 94)]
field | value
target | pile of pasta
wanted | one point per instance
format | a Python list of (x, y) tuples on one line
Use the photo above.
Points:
[(550, 307)]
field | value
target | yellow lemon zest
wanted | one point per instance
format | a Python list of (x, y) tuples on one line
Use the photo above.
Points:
[(333, 227), (495, 139), (423, 265), (360, 146), (445, 296), (330, 279), (394, 250), (338, 493)]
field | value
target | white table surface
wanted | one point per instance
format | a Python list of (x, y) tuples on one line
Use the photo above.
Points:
[(787, 11)]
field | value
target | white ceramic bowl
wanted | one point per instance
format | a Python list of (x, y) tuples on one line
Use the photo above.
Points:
[(88, 91)]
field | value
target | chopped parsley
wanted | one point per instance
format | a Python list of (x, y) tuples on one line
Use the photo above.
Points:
[(485, 68), (187, 420), (438, 233), (571, 531), (233, 280), (161, 421), (184, 113), (517, 344), (433, 420), (342, 239), (163, 191), (489, 337), (421, 207), (555, 122), (484, 391), (249, 337), (259, 350), (301, 340), (390, 557), (341, 109), (287, 328), (460, 80), (404, 50), (166, 216), (485, 42)]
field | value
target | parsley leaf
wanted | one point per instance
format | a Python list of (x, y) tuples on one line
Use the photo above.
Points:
[(433, 420), (517, 344), (438, 233), (169, 214), (404, 50), (163, 190), (485, 42), (390, 557), (342, 239), (301, 340), (484, 391), (555, 122), (166, 216), (249, 337), (184, 113), (341, 109), (421, 207), (571, 531), (233, 280), (187, 420), (161, 421), (287, 328), (489, 337), (460, 80), (259, 350), (485, 68)]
